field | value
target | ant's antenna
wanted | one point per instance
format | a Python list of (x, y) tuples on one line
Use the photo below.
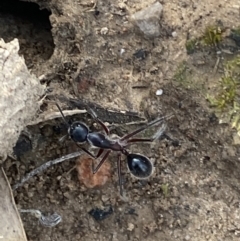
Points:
[(62, 114)]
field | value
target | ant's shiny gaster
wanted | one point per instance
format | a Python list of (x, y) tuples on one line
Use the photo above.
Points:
[(140, 166)]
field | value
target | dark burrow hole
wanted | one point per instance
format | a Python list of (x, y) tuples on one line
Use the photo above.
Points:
[(31, 26)]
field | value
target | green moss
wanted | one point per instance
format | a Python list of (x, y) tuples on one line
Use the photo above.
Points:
[(191, 46), (165, 189), (184, 77), (235, 36), (226, 95), (181, 73), (226, 101), (212, 36), (236, 31)]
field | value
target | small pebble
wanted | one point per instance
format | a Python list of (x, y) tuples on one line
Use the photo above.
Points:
[(122, 51), (159, 92), (104, 31), (236, 139), (99, 214), (140, 54), (105, 198), (187, 237), (174, 34), (130, 227)]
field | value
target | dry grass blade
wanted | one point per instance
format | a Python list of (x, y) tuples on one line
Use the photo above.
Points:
[(11, 228), (44, 167)]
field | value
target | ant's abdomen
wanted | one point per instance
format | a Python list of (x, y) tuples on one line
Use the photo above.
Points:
[(139, 165)]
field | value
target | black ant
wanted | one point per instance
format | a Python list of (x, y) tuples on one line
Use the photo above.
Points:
[(139, 165)]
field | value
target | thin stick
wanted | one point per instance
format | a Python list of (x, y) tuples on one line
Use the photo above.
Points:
[(216, 65), (44, 167)]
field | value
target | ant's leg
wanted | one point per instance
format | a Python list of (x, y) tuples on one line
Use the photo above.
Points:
[(156, 136), (120, 174), (60, 110), (89, 153), (86, 151), (97, 156), (157, 121), (94, 170), (134, 140), (95, 117), (101, 162), (99, 153)]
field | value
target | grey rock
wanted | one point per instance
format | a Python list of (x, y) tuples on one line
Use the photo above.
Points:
[(148, 19)]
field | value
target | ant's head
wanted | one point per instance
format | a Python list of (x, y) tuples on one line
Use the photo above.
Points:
[(78, 131)]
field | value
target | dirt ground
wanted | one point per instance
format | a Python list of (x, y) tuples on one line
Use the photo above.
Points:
[(194, 192)]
